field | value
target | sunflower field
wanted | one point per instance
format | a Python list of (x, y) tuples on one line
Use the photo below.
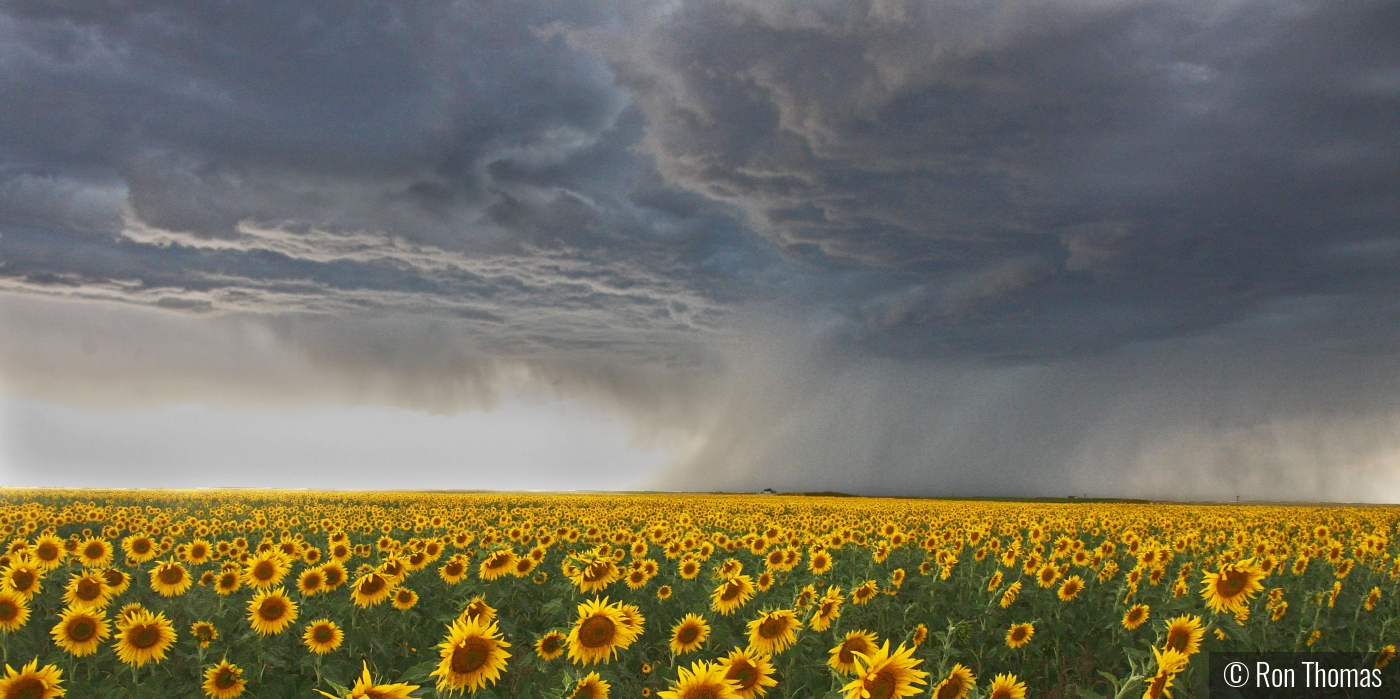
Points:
[(274, 594)]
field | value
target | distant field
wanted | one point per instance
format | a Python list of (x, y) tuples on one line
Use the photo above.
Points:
[(283, 593)]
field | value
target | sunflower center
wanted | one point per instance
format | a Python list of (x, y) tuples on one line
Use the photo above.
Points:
[(743, 673), (323, 634), (8, 610), (225, 679), (264, 570), (81, 630), (21, 580), (140, 547), (1232, 583), (372, 585), (332, 577), (701, 692), (47, 552), (850, 648), (772, 627), (550, 644), (950, 689), (1018, 634), (94, 551), (88, 590), (731, 591), (597, 632), (26, 688), (272, 609), (113, 577), (454, 569), (687, 634), (470, 655), (171, 576), (144, 636), (882, 686)]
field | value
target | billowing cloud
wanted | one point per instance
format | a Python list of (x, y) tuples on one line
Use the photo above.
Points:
[(875, 245)]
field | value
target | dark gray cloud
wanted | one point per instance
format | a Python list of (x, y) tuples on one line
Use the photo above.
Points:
[(1034, 179), (760, 230)]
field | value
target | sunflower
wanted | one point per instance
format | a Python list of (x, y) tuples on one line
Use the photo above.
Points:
[(1278, 611), (731, 594), (224, 681), (49, 552), (95, 553), (472, 655), (843, 656), (322, 636), (311, 582), (828, 609), (1136, 616), (478, 610), (920, 635), (1048, 575), (956, 684), (1169, 662), (370, 589), (703, 680), (227, 582), (1373, 598), (689, 634), (334, 575), (497, 564), (139, 549), (994, 582), (882, 675), (129, 612), (773, 632), (117, 581), (365, 688), (1005, 686), (601, 630), (271, 612), (1071, 588), (1384, 656), (404, 599), (266, 570), (170, 579), (204, 632), (690, 569), (590, 686), (87, 591), (14, 611), (1009, 597), (551, 645), (820, 563), (1231, 589), (32, 682), (80, 630), (22, 577), (865, 592), (752, 674), (454, 571), (144, 638), (1019, 635), (663, 592), (1184, 635)]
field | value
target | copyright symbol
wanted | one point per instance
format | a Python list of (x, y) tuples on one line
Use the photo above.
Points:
[(1236, 674)]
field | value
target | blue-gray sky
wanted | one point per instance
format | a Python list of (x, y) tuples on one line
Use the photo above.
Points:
[(1109, 247)]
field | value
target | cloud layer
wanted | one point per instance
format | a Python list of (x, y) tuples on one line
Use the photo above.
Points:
[(876, 245)]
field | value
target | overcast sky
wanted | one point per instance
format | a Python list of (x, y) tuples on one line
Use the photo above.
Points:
[(1140, 248)]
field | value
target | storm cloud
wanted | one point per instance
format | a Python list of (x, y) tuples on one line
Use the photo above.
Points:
[(936, 247)]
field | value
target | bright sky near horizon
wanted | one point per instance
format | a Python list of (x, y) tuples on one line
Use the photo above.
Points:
[(1145, 248)]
